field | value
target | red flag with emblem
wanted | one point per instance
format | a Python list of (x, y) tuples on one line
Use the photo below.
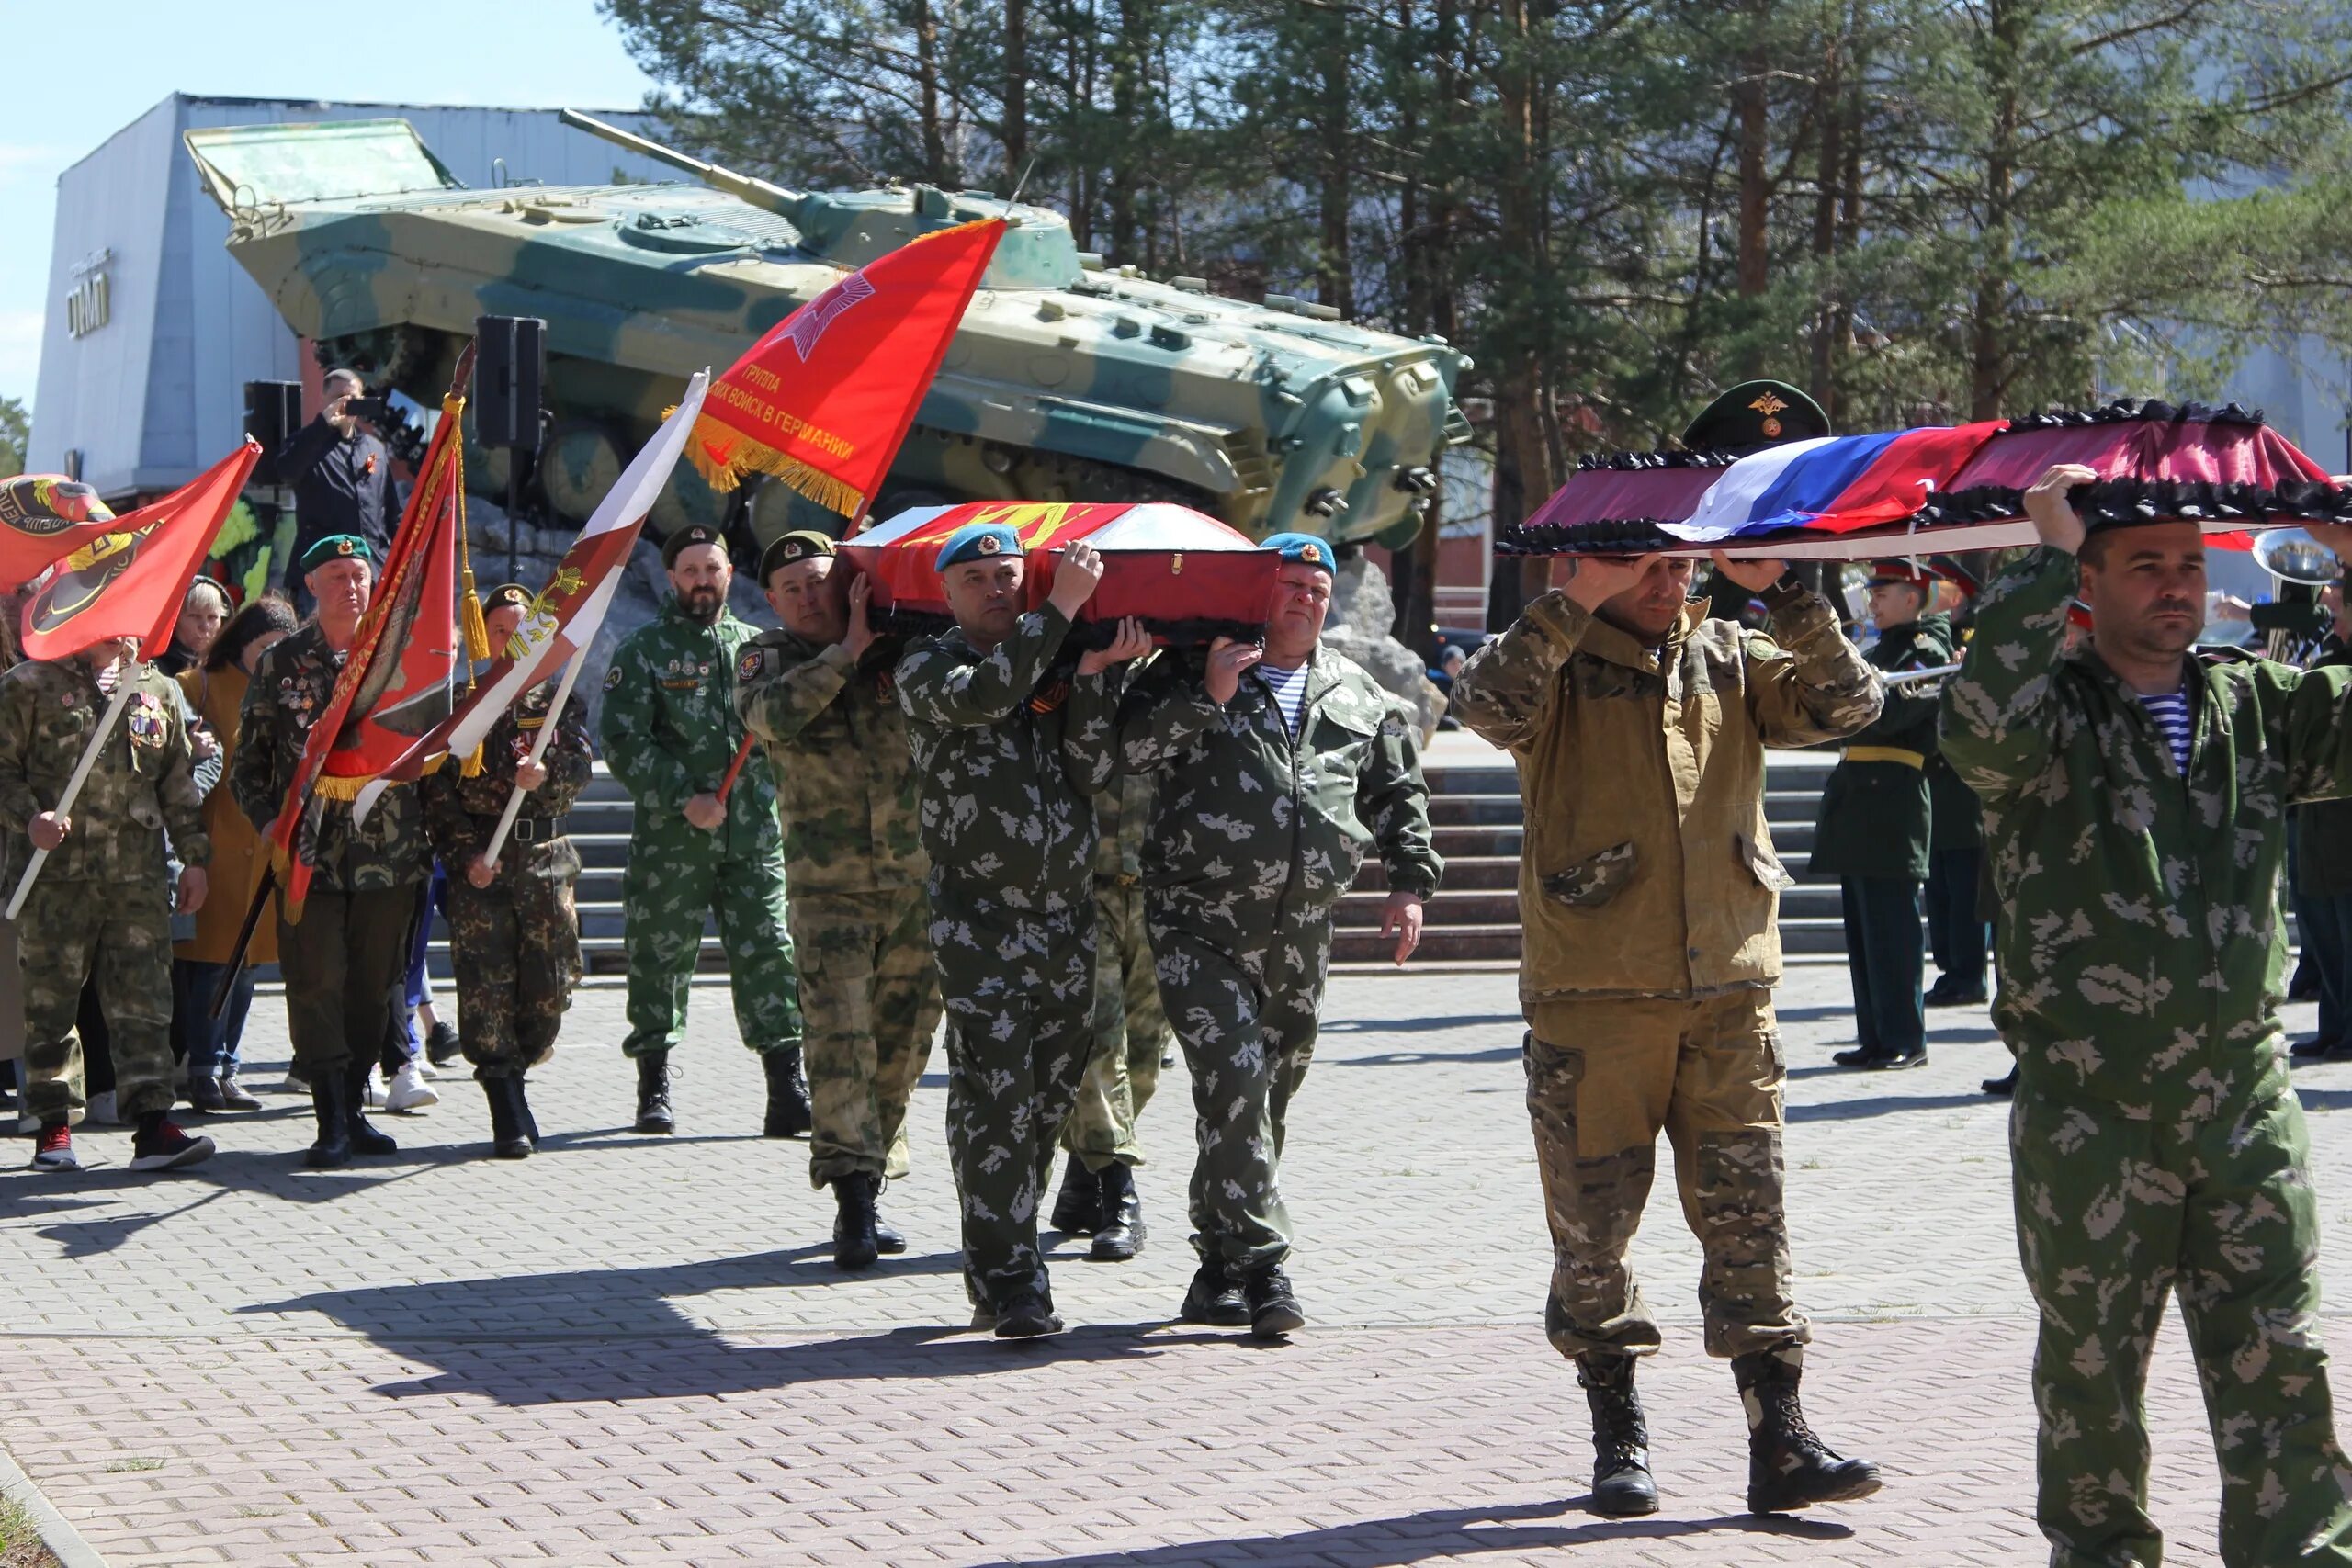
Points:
[(822, 400)]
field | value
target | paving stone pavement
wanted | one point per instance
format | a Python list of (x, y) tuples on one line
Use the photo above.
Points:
[(631, 1350)]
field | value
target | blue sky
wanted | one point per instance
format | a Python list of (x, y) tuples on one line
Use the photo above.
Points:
[(85, 74)]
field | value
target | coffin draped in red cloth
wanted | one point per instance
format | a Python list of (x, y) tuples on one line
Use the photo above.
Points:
[(1187, 576)]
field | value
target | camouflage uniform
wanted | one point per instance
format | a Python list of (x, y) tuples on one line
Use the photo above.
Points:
[(1255, 836), (1130, 1029), (346, 963), (669, 730), (102, 906), (1650, 896), (1004, 758), (2155, 1140), (845, 779), (516, 943)]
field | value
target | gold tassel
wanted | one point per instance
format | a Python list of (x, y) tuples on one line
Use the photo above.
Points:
[(335, 786), (747, 455), (472, 766)]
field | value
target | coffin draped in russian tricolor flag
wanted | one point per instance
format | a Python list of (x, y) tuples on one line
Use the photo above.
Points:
[(1187, 576), (1934, 489)]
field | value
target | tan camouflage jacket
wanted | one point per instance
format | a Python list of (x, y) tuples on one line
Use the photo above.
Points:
[(836, 745), (2142, 947), (1648, 870), (143, 784)]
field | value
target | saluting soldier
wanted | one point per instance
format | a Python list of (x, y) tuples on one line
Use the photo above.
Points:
[(670, 732), (346, 963), (513, 933), (1871, 828), (822, 695), (1006, 752), (1279, 767), (101, 907)]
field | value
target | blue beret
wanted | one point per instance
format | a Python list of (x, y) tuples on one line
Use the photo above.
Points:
[(976, 541), (1304, 548), (336, 547)]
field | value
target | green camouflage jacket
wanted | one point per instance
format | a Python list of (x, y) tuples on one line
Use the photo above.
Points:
[(836, 743), (670, 727), (2142, 944), (1258, 825), (142, 786), (461, 813), (1121, 817), (292, 686), (1875, 813), (1005, 758)]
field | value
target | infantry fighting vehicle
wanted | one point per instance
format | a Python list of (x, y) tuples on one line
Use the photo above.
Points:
[(1068, 381)]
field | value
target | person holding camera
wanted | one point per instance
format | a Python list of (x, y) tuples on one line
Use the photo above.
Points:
[(341, 475)]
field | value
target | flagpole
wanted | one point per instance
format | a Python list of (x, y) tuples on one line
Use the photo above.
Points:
[(538, 749), (125, 682)]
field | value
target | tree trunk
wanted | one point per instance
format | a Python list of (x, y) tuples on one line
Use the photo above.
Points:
[(1829, 169), (934, 135), (1335, 278), (1525, 471), (1754, 260), (1988, 346), (1017, 91)]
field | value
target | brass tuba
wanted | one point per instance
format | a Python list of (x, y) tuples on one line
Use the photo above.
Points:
[(2292, 557)]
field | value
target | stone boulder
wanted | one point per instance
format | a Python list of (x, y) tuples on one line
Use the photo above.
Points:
[(1362, 609)]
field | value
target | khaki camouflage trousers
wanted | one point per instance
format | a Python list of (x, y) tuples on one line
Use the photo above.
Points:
[(69, 932), (1246, 1019), (515, 948), (1130, 1033), (1708, 1074), (870, 994), (2114, 1214), (677, 875), (1019, 991)]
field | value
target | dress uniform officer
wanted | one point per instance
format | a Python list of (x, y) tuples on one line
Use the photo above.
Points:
[(513, 934), (670, 732), (822, 695), (1872, 831)]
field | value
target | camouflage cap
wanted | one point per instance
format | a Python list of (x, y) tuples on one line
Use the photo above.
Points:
[(1302, 549), (336, 547), (978, 541), (687, 537), (506, 595), (801, 544), (1756, 414)]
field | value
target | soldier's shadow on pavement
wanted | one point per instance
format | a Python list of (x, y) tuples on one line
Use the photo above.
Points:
[(276, 1175), (1441, 1533), (594, 1335)]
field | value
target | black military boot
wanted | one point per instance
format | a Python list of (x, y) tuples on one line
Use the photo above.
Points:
[(507, 1138), (2004, 1086), (887, 1238), (1273, 1308), (1215, 1298), (1621, 1486), (523, 1110), (1026, 1315), (1120, 1235), (789, 1112), (1787, 1466), (364, 1139), (653, 1093), (856, 1246), (330, 1103), (1078, 1207)]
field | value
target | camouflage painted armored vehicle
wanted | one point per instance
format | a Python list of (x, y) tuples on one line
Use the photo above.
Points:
[(1068, 382)]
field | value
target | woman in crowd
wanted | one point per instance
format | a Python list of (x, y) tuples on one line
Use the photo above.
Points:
[(202, 614)]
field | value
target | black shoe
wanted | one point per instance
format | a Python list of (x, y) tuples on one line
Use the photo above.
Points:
[(1955, 996), (442, 1046), (523, 1108), (234, 1095), (855, 1244), (1897, 1061), (788, 1113), (1214, 1298), (1787, 1466), (1026, 1316), (1121, 1234), (507, 1138), (330, 1103), (2315, 1049), (1273, 1310), (2004, 1086), (1860, 1056), (653, 1093), (204, 1095), (1078, 1207), (364, 1139), (1621, 1486), (887, 1238)]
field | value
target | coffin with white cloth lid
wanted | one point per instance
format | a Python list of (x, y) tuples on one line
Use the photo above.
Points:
[(1938, 490), (1186, 576)]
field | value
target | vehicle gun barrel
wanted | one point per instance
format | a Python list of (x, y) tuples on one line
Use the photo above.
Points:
[(758, 192)]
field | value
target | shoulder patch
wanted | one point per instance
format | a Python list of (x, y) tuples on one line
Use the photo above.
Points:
[(748, 667), (613, 678)]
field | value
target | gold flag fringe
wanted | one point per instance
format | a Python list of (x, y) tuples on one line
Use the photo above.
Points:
[(754, 455), (469, 618)]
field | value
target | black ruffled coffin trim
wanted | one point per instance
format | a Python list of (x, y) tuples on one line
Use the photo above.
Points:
[(2116, 503), (1087, 636), (1629, 537), (2154, 410), (1630, 462)]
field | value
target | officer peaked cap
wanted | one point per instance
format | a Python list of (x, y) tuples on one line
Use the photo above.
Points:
[(1753, 415), (499, 598)]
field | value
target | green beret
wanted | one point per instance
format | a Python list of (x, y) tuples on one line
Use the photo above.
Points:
[(801, 544), (336, 547), (1756, 414), (978, 541), (1300, 549), (687, 539), (499, 598)]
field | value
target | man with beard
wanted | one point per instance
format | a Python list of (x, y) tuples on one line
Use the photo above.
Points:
[(2135, 802), (821, 694), (1650, 894), (1278, 767), (670, 732)]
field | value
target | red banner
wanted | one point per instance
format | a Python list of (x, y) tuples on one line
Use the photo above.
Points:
[(45, 517), (824, 398)]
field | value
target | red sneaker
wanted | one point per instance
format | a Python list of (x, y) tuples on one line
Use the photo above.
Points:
[(166, 1148), (54, 1150)]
